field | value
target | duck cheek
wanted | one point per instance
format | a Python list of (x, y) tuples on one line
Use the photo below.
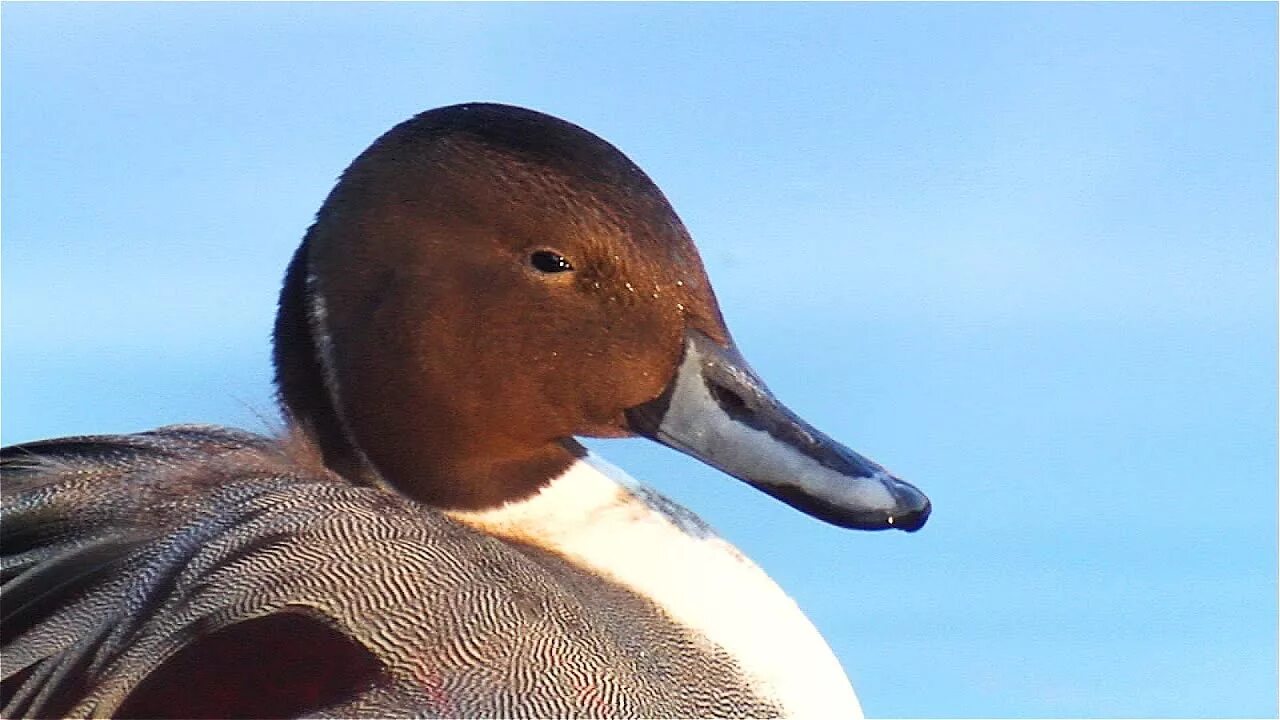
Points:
[(603, 400), (611, 425)]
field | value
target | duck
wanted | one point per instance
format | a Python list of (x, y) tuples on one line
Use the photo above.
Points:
[(425, 535)]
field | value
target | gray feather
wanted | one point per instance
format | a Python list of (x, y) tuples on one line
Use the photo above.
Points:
[(138, 567)]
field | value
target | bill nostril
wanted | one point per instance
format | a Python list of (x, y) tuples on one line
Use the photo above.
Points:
[(731, 402)]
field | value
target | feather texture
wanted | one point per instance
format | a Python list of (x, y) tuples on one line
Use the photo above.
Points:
[(201, 571)]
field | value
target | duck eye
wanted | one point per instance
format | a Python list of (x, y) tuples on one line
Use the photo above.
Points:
[(548, 261)]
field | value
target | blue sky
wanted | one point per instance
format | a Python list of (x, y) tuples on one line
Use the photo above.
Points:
[(1023, 254)]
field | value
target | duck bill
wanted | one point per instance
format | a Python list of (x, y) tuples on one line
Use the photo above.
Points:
[(717, 410)]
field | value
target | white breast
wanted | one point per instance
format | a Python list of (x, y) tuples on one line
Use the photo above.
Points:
[(596, 515)]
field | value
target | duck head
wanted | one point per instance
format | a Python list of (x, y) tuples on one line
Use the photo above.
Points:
[(485, 283)]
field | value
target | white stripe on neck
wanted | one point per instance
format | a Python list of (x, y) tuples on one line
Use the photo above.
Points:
[(598, 517)]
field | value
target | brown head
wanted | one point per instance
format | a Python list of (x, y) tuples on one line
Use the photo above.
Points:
[(486, 282)]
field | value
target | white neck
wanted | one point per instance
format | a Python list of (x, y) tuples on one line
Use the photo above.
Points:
[(597, 516)]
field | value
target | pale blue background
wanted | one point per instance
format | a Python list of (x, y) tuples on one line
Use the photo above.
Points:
[(1025, 255)]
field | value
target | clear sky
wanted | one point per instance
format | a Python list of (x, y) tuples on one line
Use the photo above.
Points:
[(1023, 254)]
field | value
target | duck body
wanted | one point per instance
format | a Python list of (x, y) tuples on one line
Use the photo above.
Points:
[(425, 537), (182, 569)]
